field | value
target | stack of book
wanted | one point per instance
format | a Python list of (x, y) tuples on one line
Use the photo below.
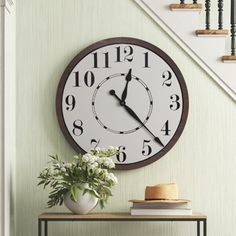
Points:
[(160, 207)]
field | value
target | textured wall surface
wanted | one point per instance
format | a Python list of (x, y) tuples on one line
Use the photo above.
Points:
[(49, 34)]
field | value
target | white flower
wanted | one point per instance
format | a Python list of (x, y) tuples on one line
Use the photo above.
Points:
[(89, 158), (98, 171), (96, 158), (68, 165), (100, 160), (63, 169), (105, 172), (86, 157), (113, 148), (112, 177), (92, 159), (111, 165), (93, 165), (108, 162), (98, 149)]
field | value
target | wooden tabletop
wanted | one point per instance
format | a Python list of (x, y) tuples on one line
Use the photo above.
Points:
[(117, 217)]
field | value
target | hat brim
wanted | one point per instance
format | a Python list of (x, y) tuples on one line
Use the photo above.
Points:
[(160, 200)]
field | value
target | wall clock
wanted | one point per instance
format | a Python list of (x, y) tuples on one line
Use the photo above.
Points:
[(123, 92)]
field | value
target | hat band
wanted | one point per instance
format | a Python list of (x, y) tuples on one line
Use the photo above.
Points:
[(161, 199), (150, 199)]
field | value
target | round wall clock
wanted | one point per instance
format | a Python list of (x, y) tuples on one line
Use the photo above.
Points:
[(123, 92)]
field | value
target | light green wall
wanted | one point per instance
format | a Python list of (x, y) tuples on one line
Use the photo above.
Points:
[(49, 34)]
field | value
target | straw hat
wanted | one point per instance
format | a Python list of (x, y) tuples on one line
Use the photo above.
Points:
[(162, 193)]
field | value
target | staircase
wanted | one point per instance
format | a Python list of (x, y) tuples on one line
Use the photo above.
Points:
[(210, 47)]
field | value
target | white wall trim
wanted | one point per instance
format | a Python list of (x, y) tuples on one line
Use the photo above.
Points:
[(2, 124), (185, 47), (7, 106)]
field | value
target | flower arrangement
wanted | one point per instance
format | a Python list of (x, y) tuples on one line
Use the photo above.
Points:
[(90, 173)]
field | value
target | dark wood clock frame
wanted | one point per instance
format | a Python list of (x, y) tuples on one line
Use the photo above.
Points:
[(138, 42)]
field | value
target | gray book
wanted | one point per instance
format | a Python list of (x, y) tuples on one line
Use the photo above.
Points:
[(135, 211), (159, 205)]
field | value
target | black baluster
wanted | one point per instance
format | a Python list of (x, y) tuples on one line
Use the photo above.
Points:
[(182, 1), (208, 9), (233, 38), (233, 27), (194, 1), (220, 17)]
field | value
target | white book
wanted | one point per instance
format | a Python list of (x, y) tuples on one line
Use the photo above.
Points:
[(135, 211), (160, 205)]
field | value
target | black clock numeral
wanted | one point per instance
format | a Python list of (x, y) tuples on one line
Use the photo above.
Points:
[(167, 76), (175, 102), (76, 79), (70, 102), (106, 60), (121, 156), (95, 60), (166, 128), (78, 128), (89, 79), (128, 54), (94, 143), (146, 60), (118, 54), (147, 150)]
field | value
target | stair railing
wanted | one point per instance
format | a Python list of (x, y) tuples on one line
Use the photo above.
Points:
[(220, 31)]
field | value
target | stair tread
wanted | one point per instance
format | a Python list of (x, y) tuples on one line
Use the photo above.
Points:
[(193, 6), (212, 32), (229, 58)]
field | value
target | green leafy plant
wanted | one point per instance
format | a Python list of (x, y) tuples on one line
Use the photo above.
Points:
[(90, 173)]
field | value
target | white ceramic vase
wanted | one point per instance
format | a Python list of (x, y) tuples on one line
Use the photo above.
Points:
[(84, 204)]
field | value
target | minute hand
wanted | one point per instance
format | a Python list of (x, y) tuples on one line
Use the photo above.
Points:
[(134, 115)]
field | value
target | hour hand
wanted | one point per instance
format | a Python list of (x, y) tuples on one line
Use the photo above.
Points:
[(128, 79)]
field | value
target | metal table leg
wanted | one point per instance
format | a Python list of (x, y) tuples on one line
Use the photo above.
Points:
[(198, 227), (205, 227), (39, 228), (45, 228)]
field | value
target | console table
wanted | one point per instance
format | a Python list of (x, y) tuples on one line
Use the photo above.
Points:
[(44, 218)]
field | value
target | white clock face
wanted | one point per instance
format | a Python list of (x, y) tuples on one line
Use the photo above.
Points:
[(123, 92)]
